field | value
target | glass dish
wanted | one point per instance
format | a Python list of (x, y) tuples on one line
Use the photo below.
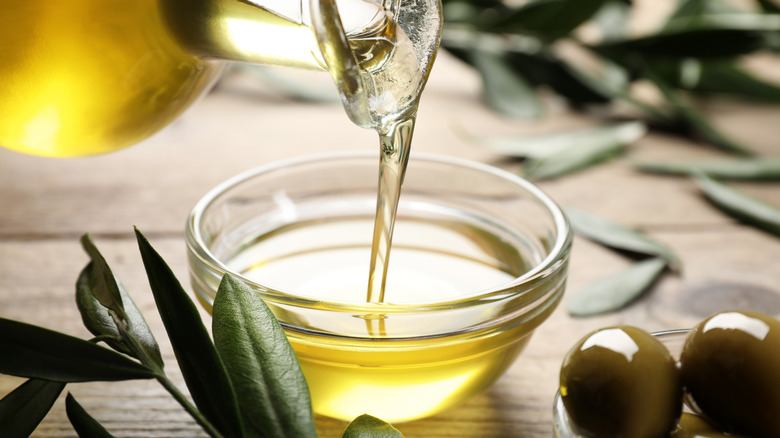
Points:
[(299, 232)]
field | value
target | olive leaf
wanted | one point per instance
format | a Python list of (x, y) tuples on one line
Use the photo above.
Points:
[(708, 36), (751, 168), (692, 119), (717, 77), (367, 426), (504, 90), (559, 153), (102, 281), (83, 423), (571, 160), (200, 364), (270, 386), (603, 144), (35, 352), (131, 333), (549, 18), (616, 291), (23, 408), (689, 11), (612, 20), (540, 146), (740, 205), (768, 6), (621, 237), (546, 68)]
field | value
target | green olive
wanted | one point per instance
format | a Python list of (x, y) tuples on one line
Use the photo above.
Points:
[(730, 366), (621, 382)]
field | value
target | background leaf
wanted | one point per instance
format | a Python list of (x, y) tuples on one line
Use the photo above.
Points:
[(739, 205), (704, 38), (35, 352), (271, 388), (545, 68), (571, 159), (22, 410), (83, 423), (694, 9), (550, 18), (768, 6), (504, 90), (612, 20), (711, 77), (618, 236), (693, 119), (616, 291), (753, 168), (366, 426), (545, 145), (97, 319), (201, 366)]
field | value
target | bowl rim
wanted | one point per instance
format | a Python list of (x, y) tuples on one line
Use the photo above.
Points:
[(552, 262)]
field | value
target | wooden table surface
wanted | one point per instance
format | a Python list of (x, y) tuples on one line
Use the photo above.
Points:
[(46, 204)]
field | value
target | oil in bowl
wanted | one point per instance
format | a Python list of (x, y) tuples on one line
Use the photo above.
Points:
[(478, 262)]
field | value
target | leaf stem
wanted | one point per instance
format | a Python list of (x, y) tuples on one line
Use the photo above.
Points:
[(185, 403)]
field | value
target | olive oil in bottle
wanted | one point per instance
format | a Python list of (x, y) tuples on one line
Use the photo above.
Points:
[(94, 76)]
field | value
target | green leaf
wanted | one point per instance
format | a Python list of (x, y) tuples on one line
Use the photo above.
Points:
[(618, 290), (504, 90), (271, 388), (565, 154), (472, 12), (83, 423), (101, 279), (99, 321), (22, 410), (35, 352), (571, 160), (695, 9), (539, 146), (768, 6), (715, 77), (549, 18), (722, 16), (721, 35), (366, 426), (613, 82), (724, 77), (202, 368), (693, 118), (617, 236), (545, 68), (612, 20), (740, 205), (752, 168)]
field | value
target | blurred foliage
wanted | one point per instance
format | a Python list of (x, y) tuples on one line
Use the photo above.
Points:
[(582, 51)]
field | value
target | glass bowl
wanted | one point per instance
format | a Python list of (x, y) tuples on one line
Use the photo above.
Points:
[(478, 262), (562, 425)]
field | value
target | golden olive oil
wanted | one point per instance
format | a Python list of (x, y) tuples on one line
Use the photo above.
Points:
[(90, 76), (93, 76), (394, 364)]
